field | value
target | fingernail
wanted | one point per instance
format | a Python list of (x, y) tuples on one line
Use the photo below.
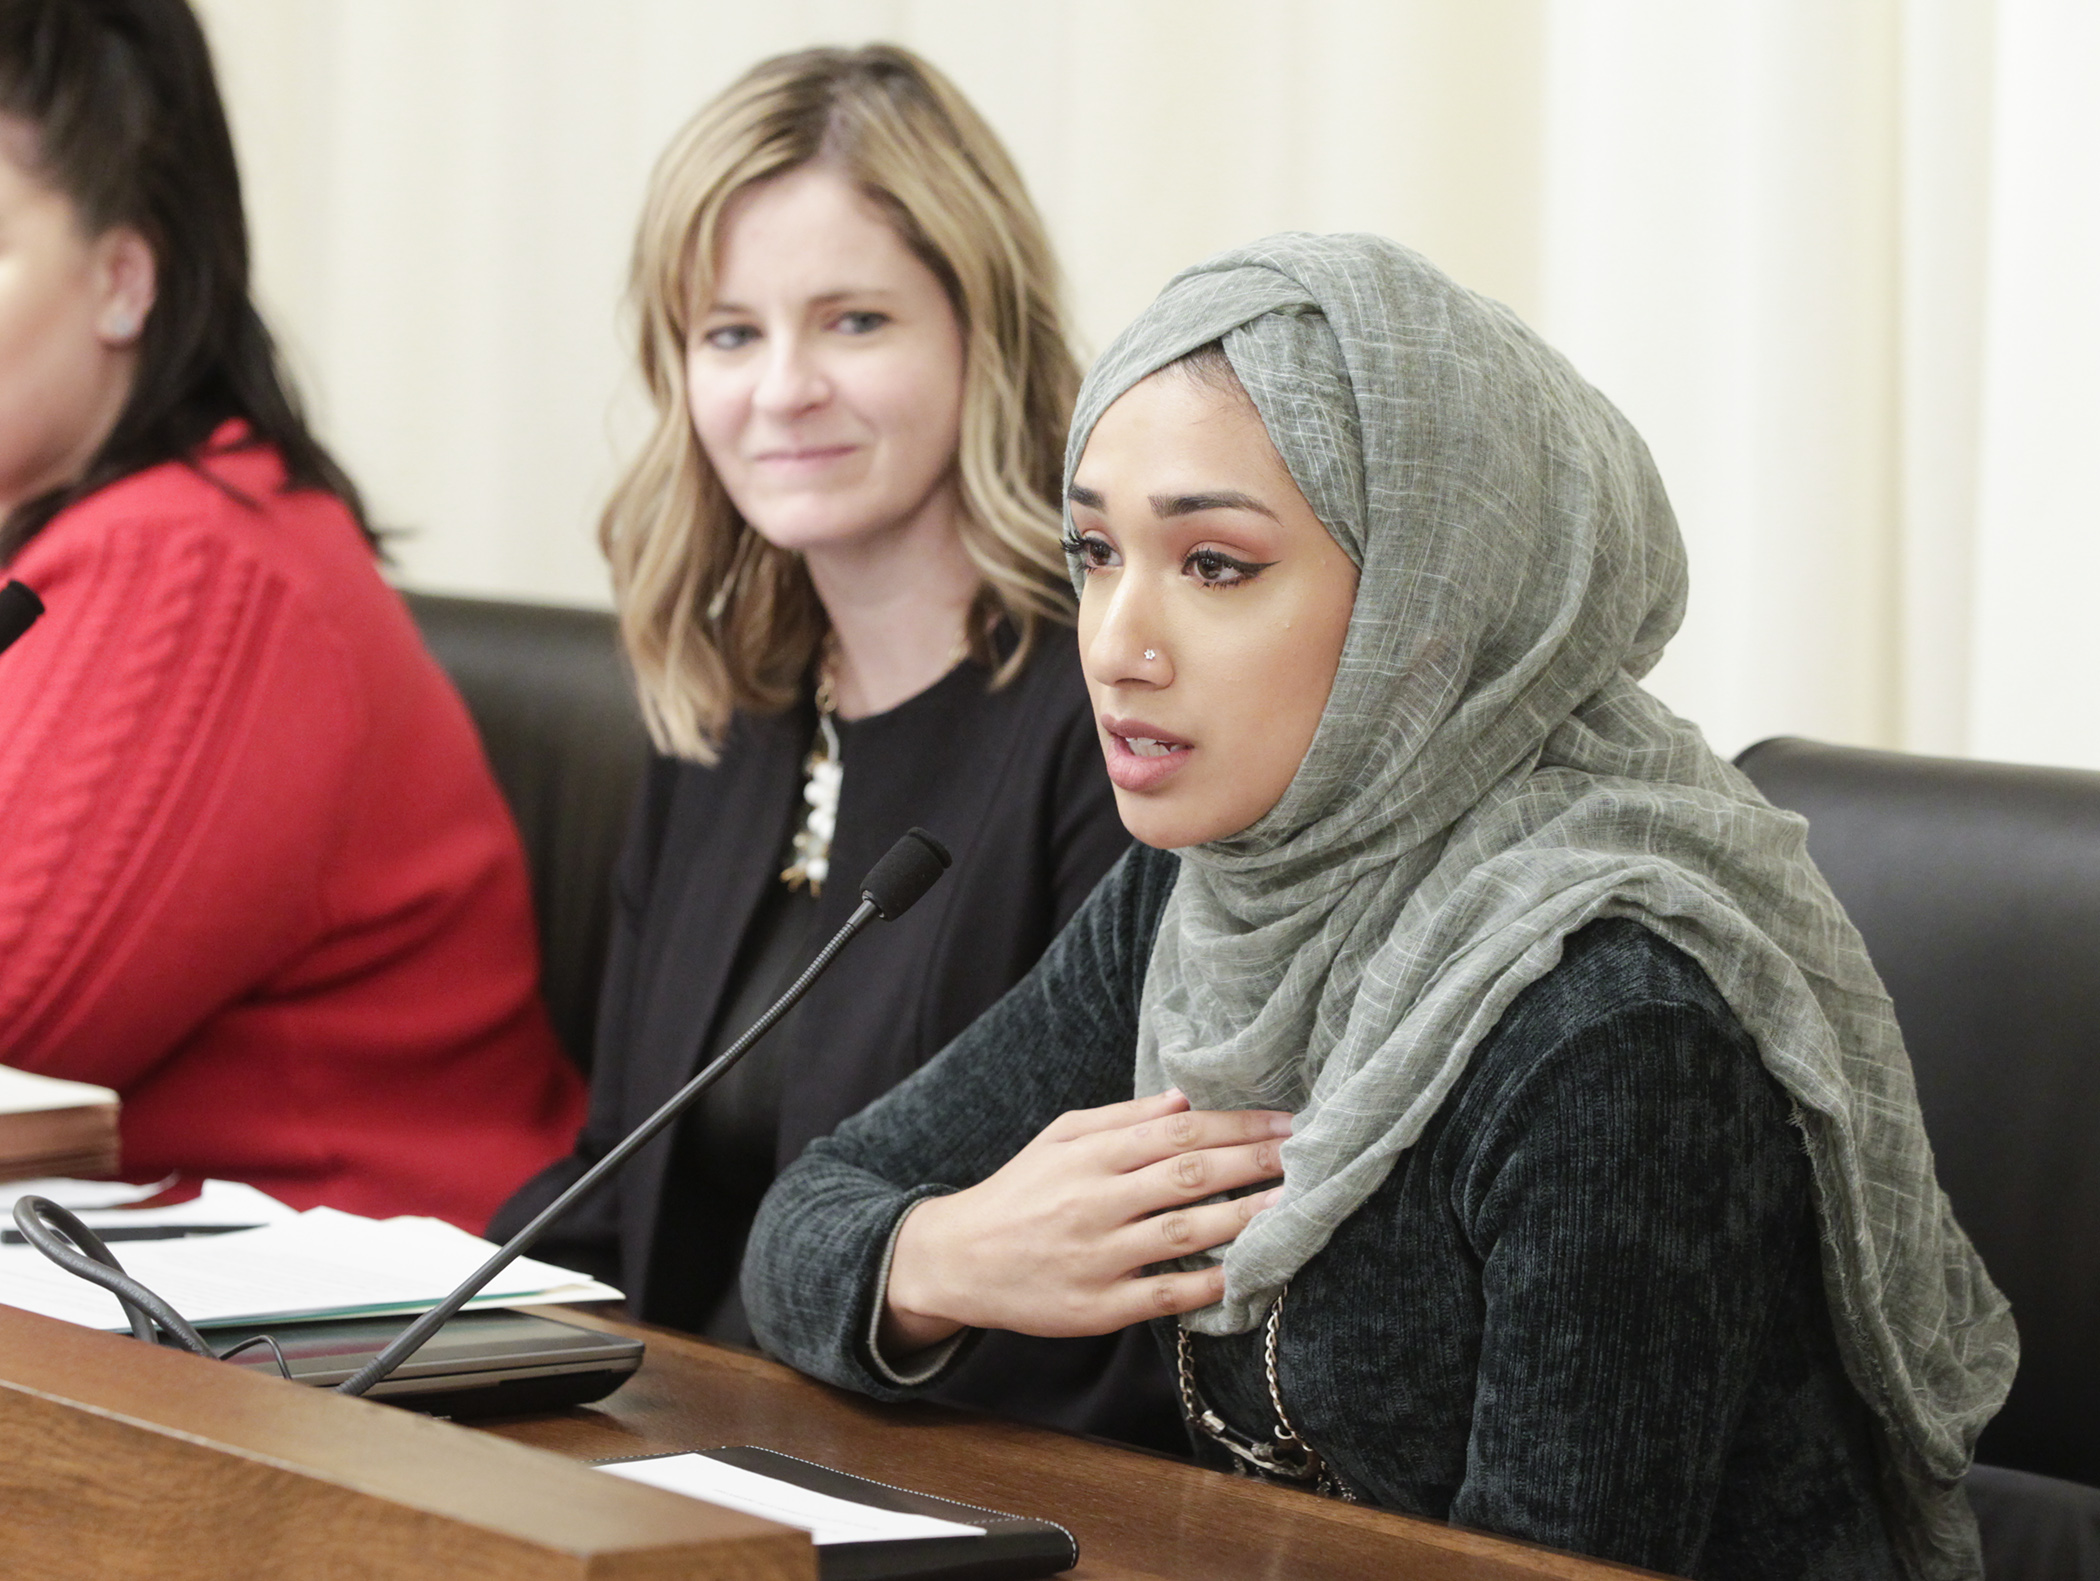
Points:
[(1279, 1125), (1272, 1196), (1175, 1092)]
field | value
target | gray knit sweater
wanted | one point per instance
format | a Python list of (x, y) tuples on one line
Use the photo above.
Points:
[(1585, 1310)]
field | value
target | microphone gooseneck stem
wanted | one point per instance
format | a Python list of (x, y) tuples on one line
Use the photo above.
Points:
[(413, 1338)]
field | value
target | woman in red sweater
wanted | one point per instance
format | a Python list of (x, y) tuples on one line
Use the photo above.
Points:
[(254, 873)]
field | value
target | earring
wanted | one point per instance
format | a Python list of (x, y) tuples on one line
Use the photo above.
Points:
[(123, 328)]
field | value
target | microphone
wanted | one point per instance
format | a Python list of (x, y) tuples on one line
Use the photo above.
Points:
[(907, 870), (892, 887), (19, 608)]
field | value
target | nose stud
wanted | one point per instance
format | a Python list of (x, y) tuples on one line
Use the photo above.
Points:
[(1150, 655)]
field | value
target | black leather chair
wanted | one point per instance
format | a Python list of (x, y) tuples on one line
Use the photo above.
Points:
[(551, 697), (1977, 889)]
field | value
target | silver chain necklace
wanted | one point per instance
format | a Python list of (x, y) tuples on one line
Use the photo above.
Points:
[(1287, 1455)]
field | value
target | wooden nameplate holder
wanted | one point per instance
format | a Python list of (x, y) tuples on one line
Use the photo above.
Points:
[(119, 1460)]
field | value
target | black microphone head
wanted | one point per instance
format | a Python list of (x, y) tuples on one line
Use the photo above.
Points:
[(19, 608), (894, 884)]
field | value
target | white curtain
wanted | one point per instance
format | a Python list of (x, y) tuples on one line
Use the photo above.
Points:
[(1836, 258)]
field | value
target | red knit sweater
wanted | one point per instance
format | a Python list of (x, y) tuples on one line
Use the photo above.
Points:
[(254, 873)]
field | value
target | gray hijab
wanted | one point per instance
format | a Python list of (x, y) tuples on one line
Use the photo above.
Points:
[(1488, 777)]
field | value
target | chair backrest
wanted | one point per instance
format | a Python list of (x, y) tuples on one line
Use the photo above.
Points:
[(551, 697), (1977, 889)]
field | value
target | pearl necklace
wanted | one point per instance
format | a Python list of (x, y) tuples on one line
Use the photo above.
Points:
[(823, 773)]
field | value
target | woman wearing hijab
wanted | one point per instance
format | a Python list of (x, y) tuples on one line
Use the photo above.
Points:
[(1607, 1220)]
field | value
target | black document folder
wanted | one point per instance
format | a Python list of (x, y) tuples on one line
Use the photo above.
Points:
[(1011, 1549)]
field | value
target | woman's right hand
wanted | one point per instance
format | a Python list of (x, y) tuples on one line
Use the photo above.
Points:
[(1054, 1243)]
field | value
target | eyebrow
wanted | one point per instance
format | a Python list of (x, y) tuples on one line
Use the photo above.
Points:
[(1181, 504), (864, 292), (1190, 504)]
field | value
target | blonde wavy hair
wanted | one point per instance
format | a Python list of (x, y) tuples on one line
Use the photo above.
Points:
[(713, 617)]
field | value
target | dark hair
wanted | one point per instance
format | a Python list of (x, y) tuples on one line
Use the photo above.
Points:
[(1208, 366), (130, 129)]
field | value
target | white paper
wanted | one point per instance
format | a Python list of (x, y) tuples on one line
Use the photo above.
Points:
[(216, 1202), (826, 1519), (80, 1195), (25, 1092), (317, 1264)]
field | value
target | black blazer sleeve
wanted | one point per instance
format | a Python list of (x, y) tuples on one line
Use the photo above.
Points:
[(587, 1238)]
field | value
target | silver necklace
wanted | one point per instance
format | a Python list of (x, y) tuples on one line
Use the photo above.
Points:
[(1287, 1455)]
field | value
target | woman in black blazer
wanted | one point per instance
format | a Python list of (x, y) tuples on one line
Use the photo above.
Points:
[(842, 592)]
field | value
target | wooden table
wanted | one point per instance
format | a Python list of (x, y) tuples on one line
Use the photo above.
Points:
[(1136, 1515)]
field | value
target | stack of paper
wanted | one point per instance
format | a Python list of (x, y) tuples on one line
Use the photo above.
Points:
[(307, 1266), (54, 1127)]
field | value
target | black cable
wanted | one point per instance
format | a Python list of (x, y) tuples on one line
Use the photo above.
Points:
[(59, 1234), (254, 1340)]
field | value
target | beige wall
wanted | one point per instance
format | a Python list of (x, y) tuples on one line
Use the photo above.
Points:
[(1830, 255)]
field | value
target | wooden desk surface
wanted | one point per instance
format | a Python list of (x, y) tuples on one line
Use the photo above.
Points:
[(1135, 1515)]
